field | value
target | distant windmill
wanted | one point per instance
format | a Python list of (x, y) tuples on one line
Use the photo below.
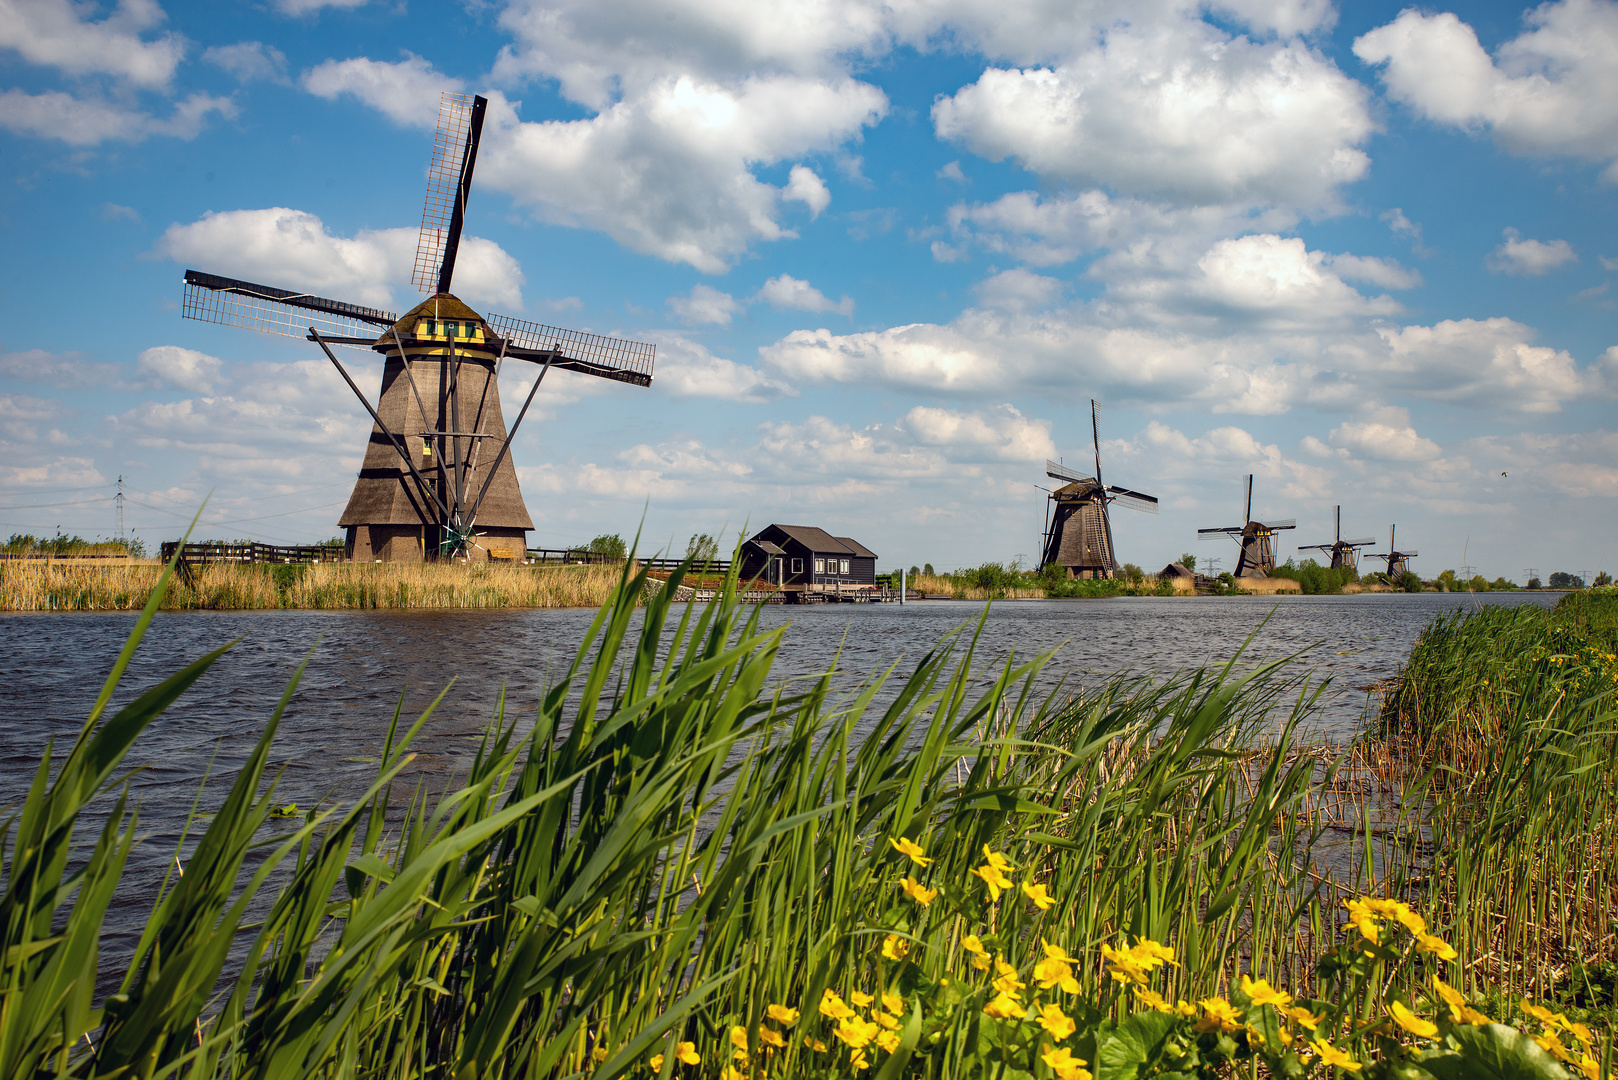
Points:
[(1078, 535), (1343, 552), (1398, 561), (437, 481), (1256, 538)]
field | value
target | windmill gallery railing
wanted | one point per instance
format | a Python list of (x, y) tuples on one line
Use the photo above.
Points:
[(253, 553)]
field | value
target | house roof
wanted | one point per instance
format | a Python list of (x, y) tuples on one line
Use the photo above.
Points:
[(823, 542), (766, 546)]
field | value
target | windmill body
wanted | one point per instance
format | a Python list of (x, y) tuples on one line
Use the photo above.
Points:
[(437, 480), (1344, 553), (1256, 539), (1398, 561), (1078, 535)]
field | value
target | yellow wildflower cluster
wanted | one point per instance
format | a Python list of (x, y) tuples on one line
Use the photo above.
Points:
[(856, 1032), (1368, 912), (1136, 963), (1552, 1026)]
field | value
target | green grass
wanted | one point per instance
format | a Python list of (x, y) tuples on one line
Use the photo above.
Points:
[(694, 842)]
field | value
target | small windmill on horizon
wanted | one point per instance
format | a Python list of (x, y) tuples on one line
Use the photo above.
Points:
[(1398, 561), (1078, 535), (1256, 538), (437, 480), (1343, 552)]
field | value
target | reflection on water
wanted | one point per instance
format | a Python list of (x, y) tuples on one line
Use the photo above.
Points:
[(361, 662)]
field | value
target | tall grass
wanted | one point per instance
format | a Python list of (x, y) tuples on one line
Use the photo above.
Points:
[(235, 586), (683, 846)]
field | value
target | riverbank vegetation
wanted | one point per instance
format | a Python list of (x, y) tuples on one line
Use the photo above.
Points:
[(684, 869), (37, 586)]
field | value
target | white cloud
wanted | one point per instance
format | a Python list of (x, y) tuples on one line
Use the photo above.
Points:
[(1480, 362), (92, 121), (1386, 273), (805, 185), (687, 369), (1003, 434), (706, 304), (1180, 112), (1018, 290), (1552, 90), (292, 249), (311, 7), (952, 171), (249, 60), (406, 92), (55, 33), (1386, 436), (1166, 452), (1279, 276), (786, 292), (1530, 258), (69, 371), (183, 369)]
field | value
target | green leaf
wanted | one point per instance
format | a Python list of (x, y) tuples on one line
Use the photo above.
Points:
[(1132, 1045), (1492, 1052)]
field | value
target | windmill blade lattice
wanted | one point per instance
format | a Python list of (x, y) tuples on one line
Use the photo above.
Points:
[(589, 354), (443, 187), (229, 302)]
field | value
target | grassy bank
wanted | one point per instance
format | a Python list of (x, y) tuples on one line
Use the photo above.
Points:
[(330, 586), (690, 874)]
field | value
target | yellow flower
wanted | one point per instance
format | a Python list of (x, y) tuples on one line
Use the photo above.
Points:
[(814, 1044), (1544, 1016), (687, 1052), (911, 850), (1263, 993), (894, 947), (1065, 1065), (1580, 1032), (888, 1041), (1218, 1015), (1551, 1044), (832, 1006), (1053, 1020), (859, 1060), (1004, 1007), (771, 1037), (1006, 981), (1459, 1010), (855, 1032), (1149, 954), (1361, 915), (1302, 1016), (1186, 1009), (738, 1037), (782, 1015), (894, 1004), (994, 879), (1421, 1029), (1122, 966), (995, 859), (860, 998), (1590, 1067), (656, 1063), (918, 892), (1153, 999), (1330, 1055), (1055, 971), (1436, 946), (887, 1020), (980, 958), (599, 1054), (1042, 899)]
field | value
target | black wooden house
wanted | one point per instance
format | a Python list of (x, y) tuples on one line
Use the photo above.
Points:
[(808, 558)]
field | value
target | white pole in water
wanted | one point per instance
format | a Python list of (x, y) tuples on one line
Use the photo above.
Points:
[(901, 587)]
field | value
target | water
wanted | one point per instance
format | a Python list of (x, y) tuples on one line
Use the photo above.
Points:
[(52, 667)]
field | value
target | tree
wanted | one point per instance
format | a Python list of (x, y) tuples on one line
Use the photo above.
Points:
[(915, 571), (1561, 579), (1447, 582), (702, 548), (609, 544), (928, 569), (1189, 561), (1479, 583), (1533, 583), (1409, 582), (1602, 578), (1132, 573)]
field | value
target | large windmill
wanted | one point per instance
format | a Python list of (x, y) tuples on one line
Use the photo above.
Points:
[(1257, 539), (1398, 561), (437, 481), (1078, 535), (1343, 552)]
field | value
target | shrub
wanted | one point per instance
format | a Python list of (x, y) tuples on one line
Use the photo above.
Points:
[(611, 545)]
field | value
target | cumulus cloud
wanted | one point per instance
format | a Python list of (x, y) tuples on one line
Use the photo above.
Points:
[(687, 369), (1530, 258), (312, 7), (292, 249), (706, 304), (1178, 112), (1481, 362), (249, 61), (805, 185), (406, 92), (1018, 290), (1385, 436), (1002, 434), (54, 33), (92, 121), (1552, 90), (69, 370), (788, 293), (182, 369)]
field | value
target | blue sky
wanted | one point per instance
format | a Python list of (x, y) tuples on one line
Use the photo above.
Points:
[(888, 252)]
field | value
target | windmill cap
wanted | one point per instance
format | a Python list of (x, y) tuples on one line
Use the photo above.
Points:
[(443, 306)]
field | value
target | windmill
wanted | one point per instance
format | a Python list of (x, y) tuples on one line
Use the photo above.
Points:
[(1078, 535), (1256, 538), (1343, 552), (1398, 561), (437, 480)]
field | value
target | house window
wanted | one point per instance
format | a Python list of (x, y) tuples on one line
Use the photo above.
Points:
[(820, 566), (797, 566), (844, 569)]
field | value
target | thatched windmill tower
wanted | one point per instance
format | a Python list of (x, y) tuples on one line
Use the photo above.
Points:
[(437, 480), (1398, 561), (1078, 530), (1343, 552), (1257, 539)]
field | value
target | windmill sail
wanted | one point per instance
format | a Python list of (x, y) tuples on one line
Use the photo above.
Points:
[(229, 302), (1057, 471), (449, 180), (589, 354)]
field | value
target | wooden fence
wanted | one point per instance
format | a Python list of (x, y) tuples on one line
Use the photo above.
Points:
[(253, 553), (581, 557)]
